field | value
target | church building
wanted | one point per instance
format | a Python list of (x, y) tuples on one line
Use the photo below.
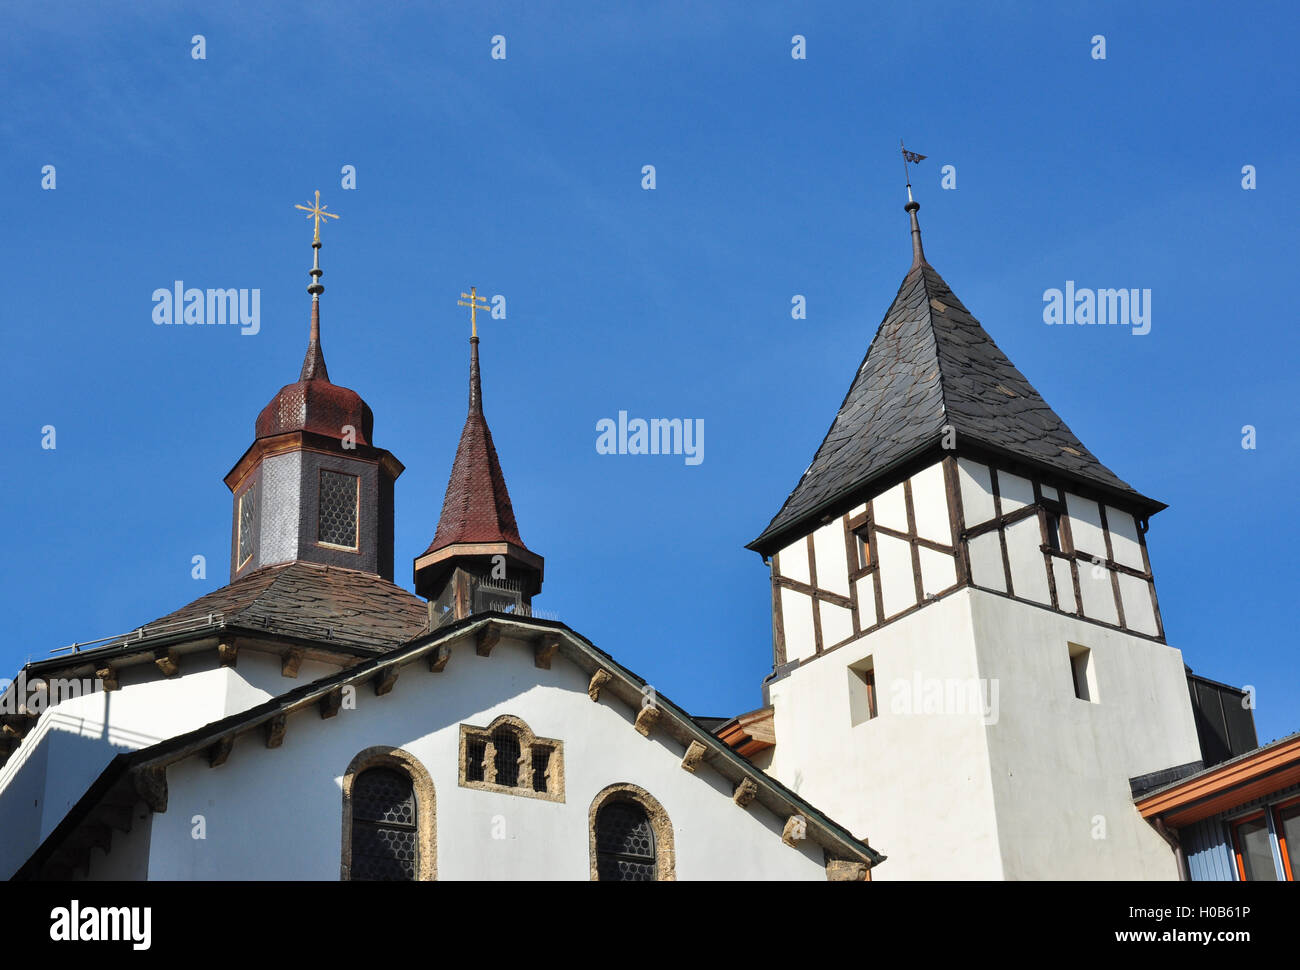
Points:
[(970, 677), (312, 719)]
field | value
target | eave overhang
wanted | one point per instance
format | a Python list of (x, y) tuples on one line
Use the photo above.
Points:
[(141, 775), (1253, 775)]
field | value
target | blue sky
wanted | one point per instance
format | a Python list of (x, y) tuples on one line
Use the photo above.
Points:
[(775, 177)]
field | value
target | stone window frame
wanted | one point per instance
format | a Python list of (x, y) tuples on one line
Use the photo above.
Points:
[(426, 808), (660, 824), (527, 741), (320, 508)]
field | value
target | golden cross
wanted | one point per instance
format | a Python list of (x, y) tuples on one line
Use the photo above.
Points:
[(316, 211), (475, 304)]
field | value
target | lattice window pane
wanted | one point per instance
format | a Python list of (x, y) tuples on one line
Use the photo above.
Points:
[(475, 752), (506, 761), (383, 826), (338, 508), (625, 843), (541, 762), (247, 508)]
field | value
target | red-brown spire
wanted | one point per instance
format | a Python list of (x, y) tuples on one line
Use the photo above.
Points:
[(313, 364), (477, 520), (476, 507)]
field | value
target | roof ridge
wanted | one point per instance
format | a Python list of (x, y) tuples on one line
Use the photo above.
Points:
[(934, 339), (848, 391)]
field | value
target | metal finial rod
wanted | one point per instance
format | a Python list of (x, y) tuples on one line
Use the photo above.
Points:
[(475, 304), (915, 159), (316, 212)]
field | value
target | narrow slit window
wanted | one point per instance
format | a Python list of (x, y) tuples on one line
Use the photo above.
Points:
[(541, 764), (862, 691), (1082, 673), (1054, 530), (247, 516), (862, 543)]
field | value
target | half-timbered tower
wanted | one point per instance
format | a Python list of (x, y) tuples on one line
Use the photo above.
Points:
[(967, 645)]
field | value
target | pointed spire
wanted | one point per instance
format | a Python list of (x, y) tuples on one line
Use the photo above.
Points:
[(477, 519), (313, 364), (477, 506), (932, 372)]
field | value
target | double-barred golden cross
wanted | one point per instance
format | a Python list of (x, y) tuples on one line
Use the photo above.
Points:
[(475, 304)]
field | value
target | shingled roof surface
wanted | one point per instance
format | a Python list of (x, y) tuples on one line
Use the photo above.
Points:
[(931, 364), (316, 602)]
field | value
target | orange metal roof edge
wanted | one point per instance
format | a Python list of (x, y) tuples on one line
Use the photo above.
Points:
[(1223, 779)]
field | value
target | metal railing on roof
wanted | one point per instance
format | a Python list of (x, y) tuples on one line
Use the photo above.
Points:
[(149, 632)]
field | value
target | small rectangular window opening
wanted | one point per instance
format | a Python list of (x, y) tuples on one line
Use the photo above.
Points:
[(1081, 670), (1054, 530), (863, 544), (862, 691)]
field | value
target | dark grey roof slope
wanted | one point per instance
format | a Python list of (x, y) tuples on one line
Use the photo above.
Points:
[(317, 602), (931, 364)]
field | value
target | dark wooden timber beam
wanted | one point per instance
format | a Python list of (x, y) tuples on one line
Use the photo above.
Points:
[(488, 638), (220, 752), (438, 658)]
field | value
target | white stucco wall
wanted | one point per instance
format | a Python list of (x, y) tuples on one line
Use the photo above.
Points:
[(74, 740), (916, 785), (1060, 766), (1018, 792), (274, 814)]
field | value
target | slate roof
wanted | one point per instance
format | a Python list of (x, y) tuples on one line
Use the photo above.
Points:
[(931, 364), (476, 507), (318, 602)]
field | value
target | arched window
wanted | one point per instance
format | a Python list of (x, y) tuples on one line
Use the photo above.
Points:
[(507, 757), (388, 818), (505, 740), (383, 826), (631, 837), (625, 843)]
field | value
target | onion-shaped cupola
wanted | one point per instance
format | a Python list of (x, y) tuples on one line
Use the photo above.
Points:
[(312, 487)]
